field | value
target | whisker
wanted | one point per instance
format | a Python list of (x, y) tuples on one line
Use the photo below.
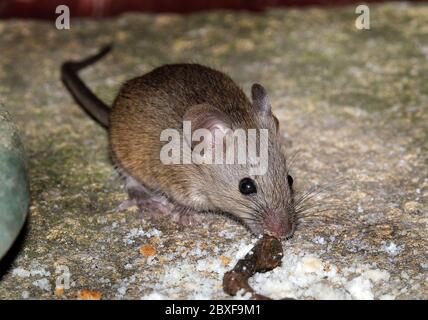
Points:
[(291, 161)]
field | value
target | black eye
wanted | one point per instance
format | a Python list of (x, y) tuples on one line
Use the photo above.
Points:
[(247, 186), (290, 180)]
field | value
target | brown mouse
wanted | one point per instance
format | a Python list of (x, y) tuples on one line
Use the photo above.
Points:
[(209, 99)]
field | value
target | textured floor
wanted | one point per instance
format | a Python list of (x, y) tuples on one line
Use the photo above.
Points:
[(353, 108)]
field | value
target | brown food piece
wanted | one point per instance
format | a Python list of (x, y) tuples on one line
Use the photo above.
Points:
[(265, 256)]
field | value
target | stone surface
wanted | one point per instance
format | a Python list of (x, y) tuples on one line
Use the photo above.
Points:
[(14, 191), (352, 106)]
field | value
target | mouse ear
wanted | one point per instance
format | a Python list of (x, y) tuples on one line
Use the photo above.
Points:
[(260, 98), (205, 116)]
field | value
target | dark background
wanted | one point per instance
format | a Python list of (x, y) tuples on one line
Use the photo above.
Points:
[(45, 9)]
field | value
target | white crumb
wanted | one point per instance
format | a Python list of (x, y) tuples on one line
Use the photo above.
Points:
[(141, 233), (20, 272), (154, 296), (242, 295), (360, 288), (392, 249), (319, 240), (42, 284), (376, 275)]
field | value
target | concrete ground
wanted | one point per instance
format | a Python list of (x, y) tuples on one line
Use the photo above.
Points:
[(353, 109)]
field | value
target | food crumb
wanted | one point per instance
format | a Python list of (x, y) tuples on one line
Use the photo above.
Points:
[(225, 260), (147, 250), (59, 291), (89, 295), (360, 288)]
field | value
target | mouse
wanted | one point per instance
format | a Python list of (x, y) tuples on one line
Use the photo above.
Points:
[(166, 98)]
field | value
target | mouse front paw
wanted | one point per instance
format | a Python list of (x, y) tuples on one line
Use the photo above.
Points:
[(160, 208), (186, 217)]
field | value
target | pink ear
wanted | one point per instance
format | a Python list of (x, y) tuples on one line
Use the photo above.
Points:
[(205, 116), (260, 99)]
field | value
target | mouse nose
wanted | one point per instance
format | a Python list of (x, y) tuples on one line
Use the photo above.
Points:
[(279, 225), (282, 230)]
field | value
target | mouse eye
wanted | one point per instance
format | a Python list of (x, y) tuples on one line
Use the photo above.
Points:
[(247, 186), (290, 180)]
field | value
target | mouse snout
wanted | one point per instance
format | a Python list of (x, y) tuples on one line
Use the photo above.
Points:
[(279, 224)]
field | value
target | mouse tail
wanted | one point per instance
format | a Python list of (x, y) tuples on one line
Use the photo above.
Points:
[(96, 108)]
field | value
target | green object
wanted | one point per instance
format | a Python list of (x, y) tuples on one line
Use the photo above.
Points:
[(14, 191)]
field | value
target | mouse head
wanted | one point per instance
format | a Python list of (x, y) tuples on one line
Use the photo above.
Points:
[(259, 190)]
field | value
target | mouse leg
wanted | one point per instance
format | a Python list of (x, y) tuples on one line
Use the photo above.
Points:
[(156, 206), (185, 216), (138, 195), (136, 192)]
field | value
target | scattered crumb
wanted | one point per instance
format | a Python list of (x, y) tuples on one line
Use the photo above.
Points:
[(242, 295), (376, 275), (147, 250), (225, 260), (360, 288), (141, 233), (89, 295), (319, 240), (154, 296), (392, 249), (309, 264), (42, 284), (20, 272), (59, 291)]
